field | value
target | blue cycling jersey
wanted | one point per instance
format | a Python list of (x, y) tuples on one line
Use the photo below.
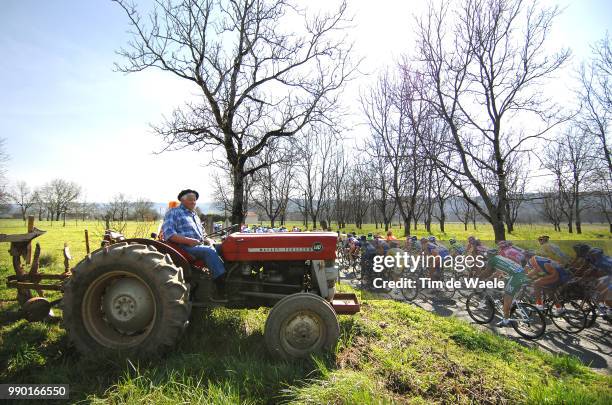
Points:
[(604, 264), (541, 261)]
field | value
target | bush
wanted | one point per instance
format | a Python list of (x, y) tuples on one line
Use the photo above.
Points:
[(47, 260)]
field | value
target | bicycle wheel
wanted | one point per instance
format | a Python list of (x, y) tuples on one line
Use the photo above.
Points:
[(480, 307), (463, 291), (445, 293), (410, 294), (569, 317), (355, 266), (527, 320), (591, 309)]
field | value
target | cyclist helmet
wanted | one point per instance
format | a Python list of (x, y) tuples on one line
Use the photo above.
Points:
[(543, 238), (432, 239), (502, 244), (529, 253), (477, 242), (413, 238), (370, 236), (594, 254), (471, 240), (581, 249), (492, 252), (452, 241)]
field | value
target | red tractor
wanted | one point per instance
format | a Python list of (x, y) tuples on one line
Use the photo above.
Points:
[(136, 295)]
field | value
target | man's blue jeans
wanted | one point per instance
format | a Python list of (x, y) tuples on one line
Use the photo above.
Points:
[(210, 256)]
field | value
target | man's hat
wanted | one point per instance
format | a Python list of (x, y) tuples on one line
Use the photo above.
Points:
[(188, 191)]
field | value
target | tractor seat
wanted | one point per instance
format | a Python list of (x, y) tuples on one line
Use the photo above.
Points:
[(191, 259)]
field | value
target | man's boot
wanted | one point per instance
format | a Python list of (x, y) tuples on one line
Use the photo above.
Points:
[(219, 295)]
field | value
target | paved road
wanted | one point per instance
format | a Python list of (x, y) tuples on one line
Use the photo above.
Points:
[(593, 345)]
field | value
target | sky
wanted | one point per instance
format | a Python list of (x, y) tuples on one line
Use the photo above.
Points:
[(65, 113)]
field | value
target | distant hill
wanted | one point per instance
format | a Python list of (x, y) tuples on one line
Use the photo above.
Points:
[(207, 207)]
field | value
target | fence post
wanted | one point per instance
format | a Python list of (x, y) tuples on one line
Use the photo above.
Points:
[(86, 241), (30, 229)]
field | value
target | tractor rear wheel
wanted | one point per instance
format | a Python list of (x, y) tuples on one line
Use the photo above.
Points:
[(301, 324), (126, 297)]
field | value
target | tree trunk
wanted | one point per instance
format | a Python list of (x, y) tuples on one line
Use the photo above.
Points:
[(465, 226), (238, 198), (578, 222), (570, 229), (499, 230)]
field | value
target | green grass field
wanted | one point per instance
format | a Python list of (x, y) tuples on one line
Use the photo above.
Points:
[(388, 353)]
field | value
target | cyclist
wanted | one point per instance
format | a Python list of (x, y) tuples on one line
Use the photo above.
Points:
[(413, 246), (390, 235), (603, 264), (511, 252), (516, 279), (475, 247), (579, 265), (368, 251), (549, 274), (455, 248), (439, 253), (552, 251)]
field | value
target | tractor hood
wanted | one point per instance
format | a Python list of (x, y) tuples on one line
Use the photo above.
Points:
[(249, 247)]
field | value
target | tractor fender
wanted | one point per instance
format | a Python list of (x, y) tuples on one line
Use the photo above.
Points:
[(165, 249)]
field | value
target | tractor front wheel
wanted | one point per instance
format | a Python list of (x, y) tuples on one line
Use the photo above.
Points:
[(301, 324), (126, 297)]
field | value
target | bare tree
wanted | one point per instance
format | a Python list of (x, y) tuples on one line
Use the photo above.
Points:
[(380, 175), (595, 95), (443, 192), (463, 210), (483, 71), (395, 116), (603, 195), (517, 178), (224, 191), (142, 210), (314, 167), (571, 160), (39, 203), (339, 187), (118, 209), (259, 81), (271, 185), (22, 195), (552, 207), (57, 197), (360, 194)]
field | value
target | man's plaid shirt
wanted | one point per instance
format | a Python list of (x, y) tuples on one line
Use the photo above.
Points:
[(183, 222)]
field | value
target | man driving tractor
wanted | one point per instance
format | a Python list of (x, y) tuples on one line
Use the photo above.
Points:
[(182, 226)]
